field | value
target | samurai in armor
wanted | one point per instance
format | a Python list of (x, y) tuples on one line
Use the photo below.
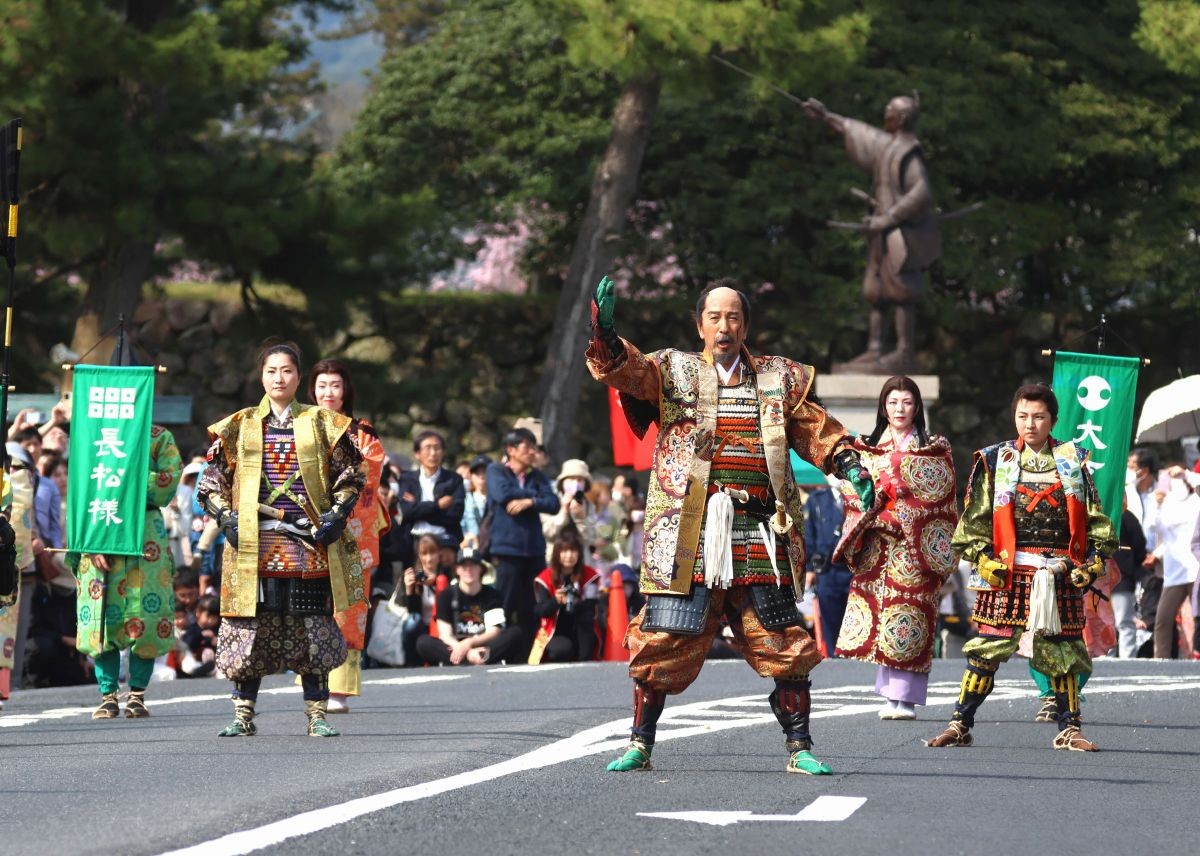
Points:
[(282, 480), (723, 531), (1033, 528)]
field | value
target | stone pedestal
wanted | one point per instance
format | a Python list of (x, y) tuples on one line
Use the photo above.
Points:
[(853, 399)]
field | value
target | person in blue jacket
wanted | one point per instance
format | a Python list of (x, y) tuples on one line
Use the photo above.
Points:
[(518, 493)]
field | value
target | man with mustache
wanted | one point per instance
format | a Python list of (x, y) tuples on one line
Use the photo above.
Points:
[(721, 539)]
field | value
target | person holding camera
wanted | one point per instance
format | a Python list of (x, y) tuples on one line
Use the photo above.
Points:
[(420, 595), (578, 512), (470, 620), (566, 595)]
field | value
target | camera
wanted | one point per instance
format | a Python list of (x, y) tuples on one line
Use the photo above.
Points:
[(819, 563), (571, 593), (580, 496)]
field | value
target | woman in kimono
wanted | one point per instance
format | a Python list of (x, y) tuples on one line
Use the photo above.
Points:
[(331, 386), (899, 549)]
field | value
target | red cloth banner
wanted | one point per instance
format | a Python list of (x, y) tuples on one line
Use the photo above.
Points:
[(628, 450)]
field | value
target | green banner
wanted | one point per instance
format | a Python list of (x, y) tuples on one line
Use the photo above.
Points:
[(110, 459), (1095, 399)]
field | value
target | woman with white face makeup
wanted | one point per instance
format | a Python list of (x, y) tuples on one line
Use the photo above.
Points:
[(330, 385), (898, 550)]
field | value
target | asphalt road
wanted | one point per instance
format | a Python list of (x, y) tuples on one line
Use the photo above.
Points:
[(511, 761)]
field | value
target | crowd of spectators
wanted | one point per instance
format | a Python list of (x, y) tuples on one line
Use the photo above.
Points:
[(502, 561)]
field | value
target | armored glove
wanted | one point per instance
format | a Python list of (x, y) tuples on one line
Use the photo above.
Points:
[(604, 304), (227, 520), (330, 526), (991, 571), (1085, 575), (849, 466)]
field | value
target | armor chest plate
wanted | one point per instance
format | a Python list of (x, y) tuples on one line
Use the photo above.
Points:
[(1045, 524)]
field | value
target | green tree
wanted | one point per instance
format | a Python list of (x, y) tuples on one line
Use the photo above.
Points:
[(649, 45), (149, 120), (485, 121)]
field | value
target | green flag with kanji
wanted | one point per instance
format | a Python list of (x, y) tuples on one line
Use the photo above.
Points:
[(1095, 398), (110, 459)]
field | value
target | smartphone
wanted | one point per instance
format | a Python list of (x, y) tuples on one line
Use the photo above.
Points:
[(38, 417)]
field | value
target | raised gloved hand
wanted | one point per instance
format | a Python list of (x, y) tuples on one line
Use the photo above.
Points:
[(1085, 575), (330, 526), (227, 520), (848, 466), (991, 571), (604, 304)]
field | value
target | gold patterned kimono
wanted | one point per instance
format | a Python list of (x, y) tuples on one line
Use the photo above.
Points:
[(18, 490), (240, 437), (679, 391)]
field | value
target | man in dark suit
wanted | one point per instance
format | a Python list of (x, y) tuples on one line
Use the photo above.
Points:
[(431, 496)]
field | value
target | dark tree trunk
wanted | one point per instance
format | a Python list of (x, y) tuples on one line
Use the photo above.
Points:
[(114, 289), (115, 284), (613, 190)]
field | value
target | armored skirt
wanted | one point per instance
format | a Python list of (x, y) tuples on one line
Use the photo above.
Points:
[(900, 554)]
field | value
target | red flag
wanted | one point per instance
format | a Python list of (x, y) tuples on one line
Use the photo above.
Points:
[(628, 450)]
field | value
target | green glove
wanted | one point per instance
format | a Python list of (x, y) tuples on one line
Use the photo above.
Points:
[(848, 466), (604, 303), (860, 480)]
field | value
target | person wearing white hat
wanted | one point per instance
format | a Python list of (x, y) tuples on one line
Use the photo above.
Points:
[(572, 485)]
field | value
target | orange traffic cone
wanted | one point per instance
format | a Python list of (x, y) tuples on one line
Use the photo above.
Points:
[(439, 586), (820, 637), (618, 621)]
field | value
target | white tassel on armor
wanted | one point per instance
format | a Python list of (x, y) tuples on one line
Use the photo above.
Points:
[(768, 536), (1043, 608), (718, 541)]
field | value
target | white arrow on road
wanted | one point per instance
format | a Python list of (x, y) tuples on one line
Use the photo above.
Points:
[(820, 809)]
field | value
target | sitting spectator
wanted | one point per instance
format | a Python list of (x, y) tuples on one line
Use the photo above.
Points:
[(431, 496), (52, 660), (420, 595), (200, 638), (470, 620), (475, 505), (447, 553), (566, 595), (577, 511), (187, 592)]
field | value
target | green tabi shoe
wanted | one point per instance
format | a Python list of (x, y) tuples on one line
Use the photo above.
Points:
[(243, 720), (317, 726), (636, 757), (239, 728), (802, 761)]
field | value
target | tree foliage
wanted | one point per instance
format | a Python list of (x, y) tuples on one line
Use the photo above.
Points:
[(151, 120)]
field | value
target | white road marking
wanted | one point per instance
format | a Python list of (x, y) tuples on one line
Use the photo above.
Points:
[(690, 720), (822, 809)]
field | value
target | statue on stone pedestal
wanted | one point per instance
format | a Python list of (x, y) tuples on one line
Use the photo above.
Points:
[(902, 231)]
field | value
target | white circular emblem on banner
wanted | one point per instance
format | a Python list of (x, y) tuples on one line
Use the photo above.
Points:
[(1094, 393)]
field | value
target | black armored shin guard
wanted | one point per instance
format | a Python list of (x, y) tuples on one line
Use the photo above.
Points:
[(791, 702), (977, 682), (648, 706)]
